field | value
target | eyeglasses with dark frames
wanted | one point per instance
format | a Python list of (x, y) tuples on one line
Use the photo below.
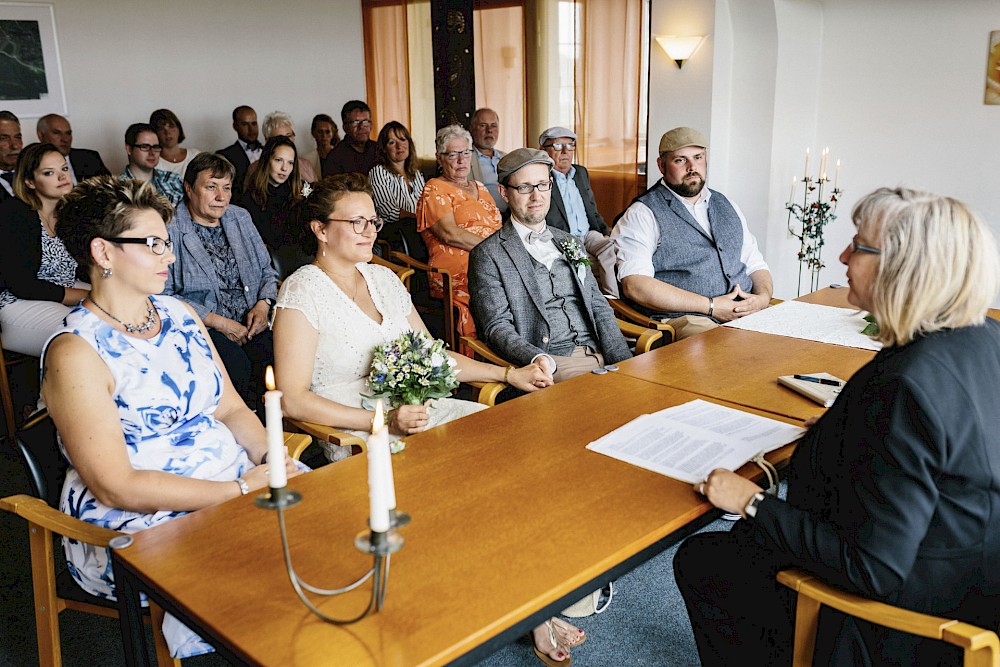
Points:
[(157, 245), (526, 188), (156, 148), (453, 156), (361, 224), (857, 247)]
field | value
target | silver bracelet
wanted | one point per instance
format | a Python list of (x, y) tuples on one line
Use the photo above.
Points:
[(244, 489), (711, 306)]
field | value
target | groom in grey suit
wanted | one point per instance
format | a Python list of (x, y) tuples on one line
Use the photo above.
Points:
[(532, 299)]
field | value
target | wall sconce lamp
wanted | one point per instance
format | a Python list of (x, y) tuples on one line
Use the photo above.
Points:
[(679, 49)]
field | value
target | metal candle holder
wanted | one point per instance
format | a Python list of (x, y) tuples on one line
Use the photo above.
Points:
[(813, 215), (379, 545)]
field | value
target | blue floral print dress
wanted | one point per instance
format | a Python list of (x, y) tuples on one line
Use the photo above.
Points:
[(166, 389)]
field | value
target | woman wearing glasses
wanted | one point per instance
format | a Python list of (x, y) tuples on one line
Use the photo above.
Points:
[(332, 314), (146, 414), (40, 276), (454, 214), (893, 492)]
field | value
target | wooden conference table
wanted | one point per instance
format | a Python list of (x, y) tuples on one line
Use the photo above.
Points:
[(512, 521)]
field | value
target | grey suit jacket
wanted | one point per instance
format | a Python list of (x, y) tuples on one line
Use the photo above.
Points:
[(192, 276), (506, 304), (557, 211)]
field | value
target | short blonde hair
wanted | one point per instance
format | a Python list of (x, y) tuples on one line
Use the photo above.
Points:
[(274, 120), (939, 266)]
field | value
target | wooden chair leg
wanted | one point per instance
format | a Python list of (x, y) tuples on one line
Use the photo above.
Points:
[(806, 622), (46, 605), (5, 396), (163, 658)]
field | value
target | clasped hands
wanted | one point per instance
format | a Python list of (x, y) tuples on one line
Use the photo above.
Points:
[(239, 333), (256, 477), (738, 304)]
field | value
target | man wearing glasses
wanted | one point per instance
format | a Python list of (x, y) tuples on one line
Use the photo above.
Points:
[(685, 253), (223, 270), (143, 150), (532, 297), (485, 130), (356, 153)]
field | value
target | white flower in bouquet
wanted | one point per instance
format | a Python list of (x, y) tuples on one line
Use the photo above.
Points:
[(412, 369)]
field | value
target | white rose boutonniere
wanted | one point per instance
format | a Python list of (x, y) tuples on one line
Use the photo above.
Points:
[(576, 256)]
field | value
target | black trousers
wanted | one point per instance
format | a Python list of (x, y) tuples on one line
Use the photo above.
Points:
[(246, 364)]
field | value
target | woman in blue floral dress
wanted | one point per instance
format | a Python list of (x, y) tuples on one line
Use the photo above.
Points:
[(147, 416)]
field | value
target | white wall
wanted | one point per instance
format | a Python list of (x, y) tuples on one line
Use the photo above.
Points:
[(894, 88), (121, 60)]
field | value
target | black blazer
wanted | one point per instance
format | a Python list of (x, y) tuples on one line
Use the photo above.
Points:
[(21, 253), (239, 159), (556, 216), (895, 492), (86, 164)]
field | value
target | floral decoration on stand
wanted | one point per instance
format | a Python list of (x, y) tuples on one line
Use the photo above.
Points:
[(814, 213), (412, 369), (576, 255)]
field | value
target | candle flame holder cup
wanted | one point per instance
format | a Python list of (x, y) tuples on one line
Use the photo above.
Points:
[(381, 545)]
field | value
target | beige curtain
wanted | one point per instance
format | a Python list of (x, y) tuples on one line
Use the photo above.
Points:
[(498, 36), (607, 99), (386, 62)]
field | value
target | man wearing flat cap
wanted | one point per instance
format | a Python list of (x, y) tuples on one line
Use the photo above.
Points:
[(533, 295), (685, 253)]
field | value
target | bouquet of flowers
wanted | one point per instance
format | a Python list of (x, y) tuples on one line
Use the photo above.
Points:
[(412, 369)]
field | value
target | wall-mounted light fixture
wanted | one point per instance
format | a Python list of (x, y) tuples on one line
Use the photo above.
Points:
[(679, 49)]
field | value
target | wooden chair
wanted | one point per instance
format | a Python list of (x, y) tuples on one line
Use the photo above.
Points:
[(403, 272), (438, 314), (981, 647), (625, 312), (53, 593), (9, 360)]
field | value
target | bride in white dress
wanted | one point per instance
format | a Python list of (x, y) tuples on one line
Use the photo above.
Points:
[(331, 315)]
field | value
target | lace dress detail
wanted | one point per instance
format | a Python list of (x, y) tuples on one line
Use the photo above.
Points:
[(348, 337)]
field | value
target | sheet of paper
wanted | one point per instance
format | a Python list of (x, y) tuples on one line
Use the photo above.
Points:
[(810, 321), (688, 441)]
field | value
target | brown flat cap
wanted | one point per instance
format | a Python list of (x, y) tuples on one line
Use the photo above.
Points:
[(679, 137), (513, 161)]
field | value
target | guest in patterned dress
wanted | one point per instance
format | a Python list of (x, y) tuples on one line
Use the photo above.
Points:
[(332, 314), (147, 416), (396, 184), (454, 214), (224, 272), (40, 276)]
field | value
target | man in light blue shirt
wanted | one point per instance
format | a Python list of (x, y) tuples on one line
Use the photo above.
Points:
[(485, 130), (574, 208)]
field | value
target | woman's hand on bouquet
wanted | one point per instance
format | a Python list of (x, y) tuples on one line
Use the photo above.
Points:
[(408, 419)]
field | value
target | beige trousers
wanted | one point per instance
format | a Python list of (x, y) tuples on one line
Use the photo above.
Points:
[(583, 360), (686, 326)]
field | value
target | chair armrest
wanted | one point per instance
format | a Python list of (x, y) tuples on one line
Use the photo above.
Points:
[(623, 311), (644, 338), (482, 350), (36, 511), (487, 392), (954, 632), (326, 433), (296, 443)]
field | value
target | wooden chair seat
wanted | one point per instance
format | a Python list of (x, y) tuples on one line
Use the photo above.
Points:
[(981, 647)]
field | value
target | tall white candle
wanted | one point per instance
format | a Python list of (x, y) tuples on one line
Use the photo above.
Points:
[(822, 163), (836, 176), (276, 476), (807, 164), (791, 197), (378, 473)]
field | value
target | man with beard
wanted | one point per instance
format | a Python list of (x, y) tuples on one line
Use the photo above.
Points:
[(532, 299), (685, 254)]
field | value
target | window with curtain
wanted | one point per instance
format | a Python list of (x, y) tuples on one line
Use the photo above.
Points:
[(538, 63)]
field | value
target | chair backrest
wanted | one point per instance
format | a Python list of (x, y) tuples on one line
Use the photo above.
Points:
[(413, 242), (41, 457), (438, 314)]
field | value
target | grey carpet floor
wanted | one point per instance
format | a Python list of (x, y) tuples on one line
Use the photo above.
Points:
[(646, 625)]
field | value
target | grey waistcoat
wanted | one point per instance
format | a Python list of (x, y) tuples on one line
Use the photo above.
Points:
[(686, 256), (567, 323)]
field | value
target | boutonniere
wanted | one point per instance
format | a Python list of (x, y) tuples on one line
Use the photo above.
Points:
[(575, 255)]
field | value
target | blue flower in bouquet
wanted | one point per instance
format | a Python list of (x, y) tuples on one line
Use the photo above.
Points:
[(412, 369)]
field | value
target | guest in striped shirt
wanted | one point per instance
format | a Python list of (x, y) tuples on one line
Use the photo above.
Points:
[(396, 181)]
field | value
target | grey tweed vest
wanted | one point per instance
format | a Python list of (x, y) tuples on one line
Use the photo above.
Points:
[(568, 326)]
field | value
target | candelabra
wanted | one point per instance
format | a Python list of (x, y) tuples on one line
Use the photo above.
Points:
[(813, 214), (381, 545)]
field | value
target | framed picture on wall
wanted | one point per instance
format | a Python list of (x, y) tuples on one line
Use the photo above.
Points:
[(993, 70), (31, 83)]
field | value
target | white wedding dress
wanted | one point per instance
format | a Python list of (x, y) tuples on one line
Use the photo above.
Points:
[(348, 337)]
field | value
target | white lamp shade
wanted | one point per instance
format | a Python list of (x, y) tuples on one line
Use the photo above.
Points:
[(678, 48)]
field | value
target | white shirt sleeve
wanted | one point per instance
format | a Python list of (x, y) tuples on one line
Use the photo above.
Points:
[(636, 237), (750, 254)]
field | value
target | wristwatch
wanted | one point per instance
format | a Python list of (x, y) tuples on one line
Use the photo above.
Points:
[(269, 302), (751, 509)]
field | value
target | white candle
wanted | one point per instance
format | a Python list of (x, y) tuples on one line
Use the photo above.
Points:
[(836, 176), (276, 476), (807, 164), (822, 163), (378, 473), (791, 197)]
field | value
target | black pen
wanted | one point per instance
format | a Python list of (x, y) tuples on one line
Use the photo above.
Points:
[(810, 378)]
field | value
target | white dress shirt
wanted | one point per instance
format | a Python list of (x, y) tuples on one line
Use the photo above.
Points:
[(637, 236), (545, 253)]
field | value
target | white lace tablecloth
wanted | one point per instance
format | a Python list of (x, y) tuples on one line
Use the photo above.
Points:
[(809, 321)]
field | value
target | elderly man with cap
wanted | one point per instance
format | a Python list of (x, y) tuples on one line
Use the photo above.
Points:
[(685, 254), (533, 296)]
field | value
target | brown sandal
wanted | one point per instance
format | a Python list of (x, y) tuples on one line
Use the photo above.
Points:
[(544, 656)]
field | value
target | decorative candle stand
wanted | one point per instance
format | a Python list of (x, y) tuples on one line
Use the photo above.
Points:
[(813, 214), (379, 544)]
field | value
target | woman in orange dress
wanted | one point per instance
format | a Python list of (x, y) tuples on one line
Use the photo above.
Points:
[(454, 214)]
